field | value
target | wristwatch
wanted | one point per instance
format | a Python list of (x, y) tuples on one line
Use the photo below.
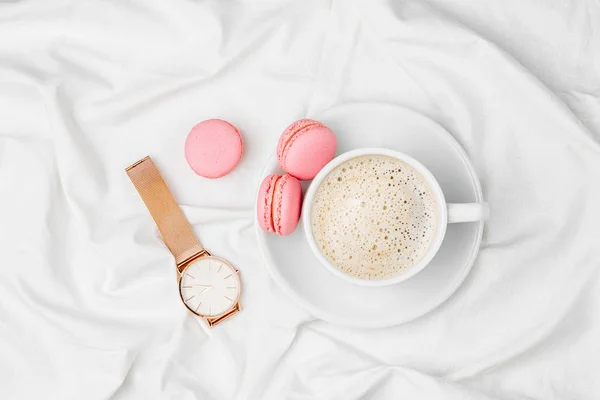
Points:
[(209, 286)]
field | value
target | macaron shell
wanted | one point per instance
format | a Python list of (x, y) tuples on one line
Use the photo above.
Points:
[(288, 134), (309, 152), (287, 204), (264, 202), (213, 148)]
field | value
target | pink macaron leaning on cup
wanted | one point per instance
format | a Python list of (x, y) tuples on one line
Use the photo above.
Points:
[(279, 203), (305, 147), (213, 148)]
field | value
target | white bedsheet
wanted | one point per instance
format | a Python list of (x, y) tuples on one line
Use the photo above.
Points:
[(88, 303)]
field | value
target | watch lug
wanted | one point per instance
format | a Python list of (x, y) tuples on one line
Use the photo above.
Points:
[(214, 321), (182, 265)]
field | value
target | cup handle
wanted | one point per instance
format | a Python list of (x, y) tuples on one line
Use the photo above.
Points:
[(467, 212)]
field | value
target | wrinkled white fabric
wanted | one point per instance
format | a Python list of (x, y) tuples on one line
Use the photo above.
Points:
[(88, 303)]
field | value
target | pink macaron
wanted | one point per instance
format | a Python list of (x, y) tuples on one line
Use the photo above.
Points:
[(278, 205), (305, 147), (213, 148)]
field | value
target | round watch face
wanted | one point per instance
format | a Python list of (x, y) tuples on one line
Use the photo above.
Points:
[(209, 286)]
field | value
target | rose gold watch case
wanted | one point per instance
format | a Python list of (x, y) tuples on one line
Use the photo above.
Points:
[(213, 319)]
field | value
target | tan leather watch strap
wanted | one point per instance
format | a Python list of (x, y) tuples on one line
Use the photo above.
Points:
[(172, 224)]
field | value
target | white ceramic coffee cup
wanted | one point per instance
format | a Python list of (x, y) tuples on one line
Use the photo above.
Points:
[(447, 213)]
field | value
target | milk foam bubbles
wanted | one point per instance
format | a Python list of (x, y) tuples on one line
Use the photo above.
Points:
[(374, 216)]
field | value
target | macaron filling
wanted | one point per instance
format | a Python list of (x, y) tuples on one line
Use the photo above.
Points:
[(277, 203), (272, 212)]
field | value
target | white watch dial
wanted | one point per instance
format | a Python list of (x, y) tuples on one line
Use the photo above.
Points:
[(209, 286)]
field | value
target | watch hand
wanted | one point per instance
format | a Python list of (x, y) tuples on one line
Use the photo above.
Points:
[(191, 286)]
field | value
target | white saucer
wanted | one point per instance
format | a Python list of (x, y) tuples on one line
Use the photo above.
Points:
[(296, 269)]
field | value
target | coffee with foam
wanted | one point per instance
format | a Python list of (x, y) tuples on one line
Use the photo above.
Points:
[(374, 216)]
